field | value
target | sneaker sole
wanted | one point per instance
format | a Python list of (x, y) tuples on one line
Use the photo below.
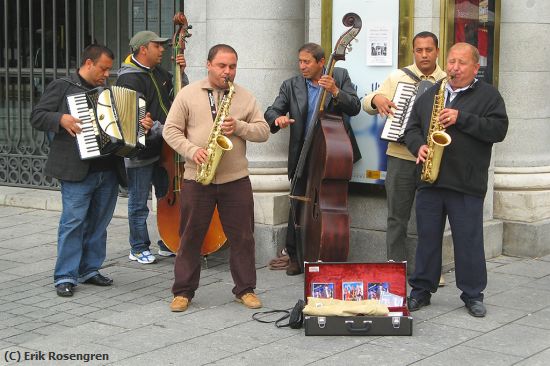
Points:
[(136, 259), (164, 253)]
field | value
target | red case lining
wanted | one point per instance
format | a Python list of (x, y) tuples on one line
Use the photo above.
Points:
[(395, 273)]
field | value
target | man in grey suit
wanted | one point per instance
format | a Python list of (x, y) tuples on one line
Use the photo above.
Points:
[(88, 187), (294, 107)]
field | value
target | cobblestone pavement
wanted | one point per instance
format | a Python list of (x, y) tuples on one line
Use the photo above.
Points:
[(131, 323)]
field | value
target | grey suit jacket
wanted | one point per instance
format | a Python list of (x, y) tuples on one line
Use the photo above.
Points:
[(292, 99)]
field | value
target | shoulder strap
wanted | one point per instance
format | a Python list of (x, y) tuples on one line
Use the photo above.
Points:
[(286, 315), (161, 102), (64, 94), (411, 74), (69, 81)]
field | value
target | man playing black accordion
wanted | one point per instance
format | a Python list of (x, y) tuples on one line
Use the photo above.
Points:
[(401, 174), (89, 188)]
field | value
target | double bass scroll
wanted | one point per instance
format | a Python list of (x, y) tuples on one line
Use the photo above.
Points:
[(168, 207)]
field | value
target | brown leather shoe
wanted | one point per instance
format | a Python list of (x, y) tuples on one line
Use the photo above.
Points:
[(441, 281), (250, 300), (279, 263), (179, 304), (293, 268)]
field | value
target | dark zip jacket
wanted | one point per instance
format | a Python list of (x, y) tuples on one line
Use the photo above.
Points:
[(482, 121), (156, 86)]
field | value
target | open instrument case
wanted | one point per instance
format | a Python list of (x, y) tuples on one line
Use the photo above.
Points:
[(361, 281)]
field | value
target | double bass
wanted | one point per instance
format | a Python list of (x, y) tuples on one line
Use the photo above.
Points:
[(168, 207), (319, 187)]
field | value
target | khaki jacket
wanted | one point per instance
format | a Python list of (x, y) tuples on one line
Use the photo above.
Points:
[(387, 89)]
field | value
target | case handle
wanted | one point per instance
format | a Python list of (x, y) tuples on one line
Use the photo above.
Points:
[(363, 328)]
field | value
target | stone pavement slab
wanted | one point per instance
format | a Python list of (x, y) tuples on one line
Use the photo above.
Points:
[(459, 355), (513, 339), (132, 324), (539, 359)]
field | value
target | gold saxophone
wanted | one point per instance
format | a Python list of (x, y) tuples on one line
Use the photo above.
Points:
[(217, 142), (437, 138)]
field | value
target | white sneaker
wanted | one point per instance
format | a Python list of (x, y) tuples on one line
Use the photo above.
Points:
[(144, 257), (166, 253)]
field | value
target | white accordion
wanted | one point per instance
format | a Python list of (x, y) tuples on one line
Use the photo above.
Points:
[(110, 121)]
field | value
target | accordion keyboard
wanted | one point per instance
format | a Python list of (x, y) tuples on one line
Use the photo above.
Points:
[(404, 97), (87, 140)]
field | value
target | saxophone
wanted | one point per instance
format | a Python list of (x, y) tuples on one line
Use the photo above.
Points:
[(437, 138), (217, 142)]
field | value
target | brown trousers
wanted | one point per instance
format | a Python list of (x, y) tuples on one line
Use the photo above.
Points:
[(236, 209)]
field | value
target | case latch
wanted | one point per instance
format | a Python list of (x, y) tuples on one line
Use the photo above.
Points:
[(321, 321), (396, 321)]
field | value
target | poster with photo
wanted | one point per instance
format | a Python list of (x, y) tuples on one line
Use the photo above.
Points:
[(375, 289), (379, 45), (352, 291), (367, 78), (322, 290)]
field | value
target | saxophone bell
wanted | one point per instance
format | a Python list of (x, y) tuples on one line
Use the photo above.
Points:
[(441, 138)]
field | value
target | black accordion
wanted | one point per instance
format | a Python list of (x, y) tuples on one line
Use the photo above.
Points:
[(110, 121)]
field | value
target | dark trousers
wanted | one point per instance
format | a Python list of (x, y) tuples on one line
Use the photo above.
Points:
[(292, 237), (400, 186), (291, 248), (236, 209), (465, 213)]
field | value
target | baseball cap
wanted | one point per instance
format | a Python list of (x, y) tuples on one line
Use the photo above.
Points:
[(144, 37)]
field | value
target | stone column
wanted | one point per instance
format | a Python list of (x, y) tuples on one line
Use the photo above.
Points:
[(266, 36), (522, 161)]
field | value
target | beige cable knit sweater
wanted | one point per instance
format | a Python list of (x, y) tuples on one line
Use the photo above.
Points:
[(189, 124)]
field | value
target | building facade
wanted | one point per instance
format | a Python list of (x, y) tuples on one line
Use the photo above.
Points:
[(267, 35)]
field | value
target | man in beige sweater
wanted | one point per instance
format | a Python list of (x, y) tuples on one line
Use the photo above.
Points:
[(401, 174), (187, 129)]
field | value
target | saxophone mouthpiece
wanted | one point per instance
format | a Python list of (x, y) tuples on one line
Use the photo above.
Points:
[(451, 76)]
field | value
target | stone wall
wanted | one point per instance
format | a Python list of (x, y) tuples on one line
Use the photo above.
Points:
[(267, 35)]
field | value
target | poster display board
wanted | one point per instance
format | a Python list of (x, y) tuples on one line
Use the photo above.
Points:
[(373, 56)]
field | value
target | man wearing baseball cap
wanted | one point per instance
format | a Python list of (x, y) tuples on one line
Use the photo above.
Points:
[(141, 71), (143, 38)]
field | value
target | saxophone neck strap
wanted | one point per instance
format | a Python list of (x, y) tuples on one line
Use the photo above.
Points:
[(213, 103)]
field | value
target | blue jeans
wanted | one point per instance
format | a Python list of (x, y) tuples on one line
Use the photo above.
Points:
[(139, 185), (88, 207)]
